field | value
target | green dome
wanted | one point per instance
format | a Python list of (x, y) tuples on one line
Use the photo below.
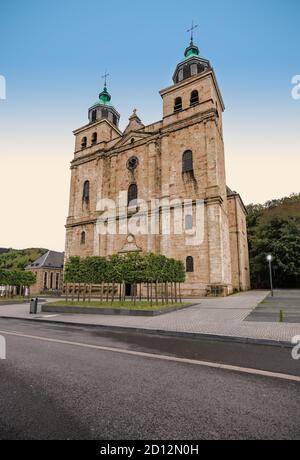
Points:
[(104, 97), (191, 51)]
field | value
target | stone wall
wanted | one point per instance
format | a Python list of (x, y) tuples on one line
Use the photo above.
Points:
[(238, 243), (38, 287)]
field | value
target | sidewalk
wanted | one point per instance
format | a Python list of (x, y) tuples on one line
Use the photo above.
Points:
[(215, 316)]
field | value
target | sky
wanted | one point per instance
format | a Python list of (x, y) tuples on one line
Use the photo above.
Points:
[(53, 54)]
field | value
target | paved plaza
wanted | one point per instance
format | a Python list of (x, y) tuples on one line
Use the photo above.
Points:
[(216, 316), (287, 301)]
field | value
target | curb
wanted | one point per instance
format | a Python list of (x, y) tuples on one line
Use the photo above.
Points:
[(50, 308), (187, 335), (6, 303)]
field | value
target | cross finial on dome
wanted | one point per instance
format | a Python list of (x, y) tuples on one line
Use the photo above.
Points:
[(105, 78), (192, 31)]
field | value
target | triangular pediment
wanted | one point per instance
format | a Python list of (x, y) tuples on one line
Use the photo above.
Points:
[(132, 137), (130, 246)]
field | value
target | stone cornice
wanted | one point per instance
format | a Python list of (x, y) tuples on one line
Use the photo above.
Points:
[(79, 222), (132, 211), (89, 125), (164, 131), (214, 200)]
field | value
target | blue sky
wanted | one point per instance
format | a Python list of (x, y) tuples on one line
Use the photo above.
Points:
[(53, 53)]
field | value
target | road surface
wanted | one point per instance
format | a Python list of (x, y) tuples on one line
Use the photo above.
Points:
[(146, 389)]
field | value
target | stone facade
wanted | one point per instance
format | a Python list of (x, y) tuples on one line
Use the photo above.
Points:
[(238, 242), (221, 258)]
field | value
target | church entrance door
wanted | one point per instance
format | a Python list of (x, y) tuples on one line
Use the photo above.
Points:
[(128, 290)]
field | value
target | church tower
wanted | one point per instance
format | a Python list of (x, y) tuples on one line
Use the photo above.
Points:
[(194, 166), (87, 170), (180, 157)]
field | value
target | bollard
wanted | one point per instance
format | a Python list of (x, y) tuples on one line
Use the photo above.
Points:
[(281, 317)]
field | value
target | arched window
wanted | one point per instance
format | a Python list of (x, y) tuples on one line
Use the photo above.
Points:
[(82, 238), (180, 76), (83, 142), (51, 280), (177, 104), (94, 138), (57, 281), (94, 116), (132, 195), (194, 97), (187, 161), (45, 280), (115, 120), (194, 69), (188, 222), (189, 264), (86, 191)]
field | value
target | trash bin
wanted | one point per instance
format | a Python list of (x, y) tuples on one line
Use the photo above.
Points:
[(33, 306)]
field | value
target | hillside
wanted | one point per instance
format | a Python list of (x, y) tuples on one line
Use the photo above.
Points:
[(19, 258), (274, 228)]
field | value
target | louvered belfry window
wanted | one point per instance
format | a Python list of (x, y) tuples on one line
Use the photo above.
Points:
[(177, 104), (194, 97)]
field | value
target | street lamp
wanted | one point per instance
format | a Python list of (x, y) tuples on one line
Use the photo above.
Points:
[(269, 259)]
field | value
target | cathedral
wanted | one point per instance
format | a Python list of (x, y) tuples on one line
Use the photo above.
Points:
[(180, 157)]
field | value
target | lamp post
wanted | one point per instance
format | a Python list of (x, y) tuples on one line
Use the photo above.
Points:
[(269, 259)]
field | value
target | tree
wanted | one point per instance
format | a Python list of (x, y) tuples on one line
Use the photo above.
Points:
[(133, 271), (71, 274), (281, 238), (16, 279), (132, 268)]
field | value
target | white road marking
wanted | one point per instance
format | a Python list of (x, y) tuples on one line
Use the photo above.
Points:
[(48, 316), (228, 367)]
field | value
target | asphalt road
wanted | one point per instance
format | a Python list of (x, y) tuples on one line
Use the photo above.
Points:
[(55, 390)]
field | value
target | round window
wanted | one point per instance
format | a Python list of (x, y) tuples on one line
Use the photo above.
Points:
[(132, 163)]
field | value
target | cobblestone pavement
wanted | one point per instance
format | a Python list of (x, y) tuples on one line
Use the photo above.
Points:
[(217, 316), (285, 300)]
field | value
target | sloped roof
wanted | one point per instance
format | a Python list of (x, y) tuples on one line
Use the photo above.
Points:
[(51, 259), (231, 193)]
